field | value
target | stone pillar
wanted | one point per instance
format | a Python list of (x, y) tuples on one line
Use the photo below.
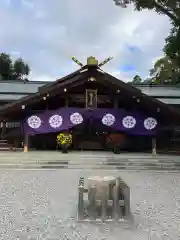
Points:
[(81, 203), (100, 186), (117, 213), (154, 146), (104, 202), (26, 138), (92, 202), (126, 194)]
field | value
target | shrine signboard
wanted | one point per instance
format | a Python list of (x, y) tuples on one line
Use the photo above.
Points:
[(91, 98)]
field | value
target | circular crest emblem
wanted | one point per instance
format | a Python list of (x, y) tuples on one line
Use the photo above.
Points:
[(76, 118), (150, 123), (55, 121), (129, 122), (108, 119), (34, 122)]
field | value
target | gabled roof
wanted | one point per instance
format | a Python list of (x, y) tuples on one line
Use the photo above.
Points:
[(79, 77), (145, 100), (71, 75), (47, 89)]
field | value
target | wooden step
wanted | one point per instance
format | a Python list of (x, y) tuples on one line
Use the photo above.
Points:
[(90, 145), (3, 141), (5, 146)]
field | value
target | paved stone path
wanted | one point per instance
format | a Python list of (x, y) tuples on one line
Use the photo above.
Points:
[(41, 204)]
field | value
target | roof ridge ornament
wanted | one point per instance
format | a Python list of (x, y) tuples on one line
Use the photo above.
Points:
[(105, 61), (92, 61), (77, 62)]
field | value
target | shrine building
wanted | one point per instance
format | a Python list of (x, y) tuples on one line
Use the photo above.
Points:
[(98, 109)]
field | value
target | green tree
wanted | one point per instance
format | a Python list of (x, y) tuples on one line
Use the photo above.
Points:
[(5, 66), (20, 69), (172, 46), (13, 70), (165, 71), (171, 8), (137, 80)]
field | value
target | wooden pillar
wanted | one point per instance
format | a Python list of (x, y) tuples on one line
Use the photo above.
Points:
[(66, 102), (26, 138), (47, 105), (154, 146), (115, 103), (3, 129)]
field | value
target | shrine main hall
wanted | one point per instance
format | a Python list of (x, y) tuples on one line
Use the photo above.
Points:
[(100, 111)]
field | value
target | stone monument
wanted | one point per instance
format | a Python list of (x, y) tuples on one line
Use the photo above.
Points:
[(105, 198)]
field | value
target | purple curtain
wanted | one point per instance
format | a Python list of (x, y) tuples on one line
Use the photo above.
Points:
[(66, 118)]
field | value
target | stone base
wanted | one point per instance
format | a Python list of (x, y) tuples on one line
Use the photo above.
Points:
[(107, 198)]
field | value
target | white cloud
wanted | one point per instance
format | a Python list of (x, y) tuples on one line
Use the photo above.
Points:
[(44, 78), (28, 4), (47, 33)]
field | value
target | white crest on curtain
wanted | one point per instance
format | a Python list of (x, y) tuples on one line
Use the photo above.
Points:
[(76, 118), (34, 122), (108, 119), (129, 122), (150, 123), (55, 121)]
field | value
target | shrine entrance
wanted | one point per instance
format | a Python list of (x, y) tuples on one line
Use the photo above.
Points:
[(99, 129), (89, 136), (92, 134)]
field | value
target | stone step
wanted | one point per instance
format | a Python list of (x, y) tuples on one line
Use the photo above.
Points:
[(83, 157), (87, 162), (96, 154), (92, 168), (76, 166), (5, 149), (65, 157)]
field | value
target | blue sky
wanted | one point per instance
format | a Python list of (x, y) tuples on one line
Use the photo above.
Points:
[(46, 33), (127, 68)]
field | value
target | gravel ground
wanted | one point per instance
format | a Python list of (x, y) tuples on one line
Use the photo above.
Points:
[(41, 204)]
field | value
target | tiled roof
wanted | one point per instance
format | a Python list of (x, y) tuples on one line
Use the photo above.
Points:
[(20, 87)]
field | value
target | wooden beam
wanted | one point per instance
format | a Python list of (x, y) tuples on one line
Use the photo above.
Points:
[(26, 140), (154, 146), (145, 101), (53, 91)]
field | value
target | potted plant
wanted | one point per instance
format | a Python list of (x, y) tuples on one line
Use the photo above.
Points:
[(116, 150), (64, 140)]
